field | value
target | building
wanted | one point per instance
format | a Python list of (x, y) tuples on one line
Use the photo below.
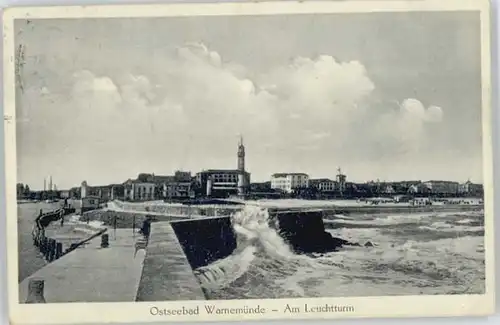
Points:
[(287, 182), (65, 194), (323, 184), (404, 187), (89, 203), (441, 187), (103, 192), (182, 176), (75, 192), (225, 182), (387, 189), (154, 187), (136, 190), (222, 182), (260, 187), (341, 181), (177, 190), (469, 188)]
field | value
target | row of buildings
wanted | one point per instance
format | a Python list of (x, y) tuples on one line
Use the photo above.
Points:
[(181, 185), (296, 182), (217, 183)]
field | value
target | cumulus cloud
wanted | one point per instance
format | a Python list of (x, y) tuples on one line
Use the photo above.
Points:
[(197, 98), (413, 109)]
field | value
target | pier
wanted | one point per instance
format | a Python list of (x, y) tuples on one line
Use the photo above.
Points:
[(167, 274), (92, 273), (161, 267)]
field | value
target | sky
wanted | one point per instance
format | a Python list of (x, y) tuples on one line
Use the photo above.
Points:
[(388, 96)]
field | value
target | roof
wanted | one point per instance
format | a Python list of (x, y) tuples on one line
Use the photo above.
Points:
[(321, 180), (211, 171), (438, 181), (163, 179), (103, 186), (287, 174)]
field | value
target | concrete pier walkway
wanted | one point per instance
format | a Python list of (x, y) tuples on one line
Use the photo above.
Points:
[(166, 274), (93, 274)]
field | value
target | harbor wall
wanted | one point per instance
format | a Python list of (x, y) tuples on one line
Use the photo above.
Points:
[(304, 231), (209, 239), (206, 240)]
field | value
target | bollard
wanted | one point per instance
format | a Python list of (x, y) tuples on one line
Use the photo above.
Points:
[(52, 250), (59, 250), (43, 247), (104, 241), (35, 292), (46, 252)]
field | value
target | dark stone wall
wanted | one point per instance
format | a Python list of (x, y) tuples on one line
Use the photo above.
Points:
[(205, 240), (304, 231)]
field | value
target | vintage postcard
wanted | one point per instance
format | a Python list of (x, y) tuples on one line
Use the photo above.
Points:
[(250, 161)]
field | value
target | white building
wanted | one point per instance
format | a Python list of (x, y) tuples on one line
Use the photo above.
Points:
[(442, 187), (323, 184), (138, 191), (287, 182)]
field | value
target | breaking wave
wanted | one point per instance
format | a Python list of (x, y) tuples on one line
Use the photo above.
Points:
[(447, 260)]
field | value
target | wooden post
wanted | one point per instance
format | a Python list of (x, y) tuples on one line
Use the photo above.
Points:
[(104, 241), (35, 292), (59, 250), (43, 247), (133, 226), (53, 252)]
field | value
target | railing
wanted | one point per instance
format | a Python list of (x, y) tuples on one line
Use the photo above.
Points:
[(50, 248), (174, 210)]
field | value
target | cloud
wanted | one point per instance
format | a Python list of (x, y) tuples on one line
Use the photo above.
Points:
[(197, 99), (413, 109)]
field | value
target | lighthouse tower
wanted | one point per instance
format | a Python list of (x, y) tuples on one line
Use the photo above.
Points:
[(241, 156), (241, 168)]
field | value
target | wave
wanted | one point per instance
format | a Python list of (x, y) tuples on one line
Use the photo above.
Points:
[(256, 240), (450, 227), (425, 220), (264, 266)]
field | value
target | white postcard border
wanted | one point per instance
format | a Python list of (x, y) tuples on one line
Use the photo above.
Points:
[(387, 306)]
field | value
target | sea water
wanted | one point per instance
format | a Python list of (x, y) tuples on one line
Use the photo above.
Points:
[(424, 253)]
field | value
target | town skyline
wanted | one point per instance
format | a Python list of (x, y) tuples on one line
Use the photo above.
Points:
[(390, 110), (47, 187)]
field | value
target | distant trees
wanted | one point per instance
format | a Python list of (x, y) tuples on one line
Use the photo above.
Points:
[(23, 191)]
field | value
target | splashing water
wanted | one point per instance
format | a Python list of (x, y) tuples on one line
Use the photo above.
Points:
[(415, 254)]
